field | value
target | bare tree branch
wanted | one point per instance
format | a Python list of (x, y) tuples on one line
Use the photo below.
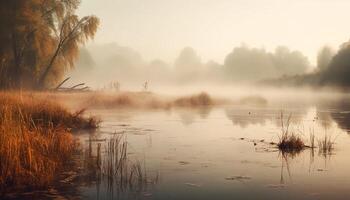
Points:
[(59, 85)]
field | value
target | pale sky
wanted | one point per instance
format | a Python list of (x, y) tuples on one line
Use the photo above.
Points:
[(161, 28)]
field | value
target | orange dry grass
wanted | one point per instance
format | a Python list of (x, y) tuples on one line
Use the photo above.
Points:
[(34, 139), (37, 110)]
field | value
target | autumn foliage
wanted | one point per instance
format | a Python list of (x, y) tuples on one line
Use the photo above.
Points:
[(40, 41)]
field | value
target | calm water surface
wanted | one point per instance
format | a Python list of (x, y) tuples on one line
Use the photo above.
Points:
[(224, 152)]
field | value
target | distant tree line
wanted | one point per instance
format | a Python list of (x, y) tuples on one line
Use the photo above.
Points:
[(333, 69), (253, 64), (113, 62), (40, 41)]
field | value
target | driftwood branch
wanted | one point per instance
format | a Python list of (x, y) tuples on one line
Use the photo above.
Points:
[(78, 85), (59, 85), (72, 88)]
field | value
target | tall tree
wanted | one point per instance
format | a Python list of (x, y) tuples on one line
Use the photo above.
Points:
[(40, 40), (324, 57), (337, 73)]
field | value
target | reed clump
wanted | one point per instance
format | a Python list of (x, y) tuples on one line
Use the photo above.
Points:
[(291, 143), (288, 141), (113, 166), (202, 99), (35, 139), (326, 144), (117, 167)]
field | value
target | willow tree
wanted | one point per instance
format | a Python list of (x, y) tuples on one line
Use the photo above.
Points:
[(40, 41)]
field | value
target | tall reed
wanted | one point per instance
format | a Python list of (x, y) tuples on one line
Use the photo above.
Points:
[(326, 144), (112, 165), (288, 141)]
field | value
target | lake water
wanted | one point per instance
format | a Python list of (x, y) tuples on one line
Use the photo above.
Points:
[(224, 152)]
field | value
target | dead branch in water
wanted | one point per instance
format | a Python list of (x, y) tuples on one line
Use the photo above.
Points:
[(78, 85), (72, 88), (59, 85)]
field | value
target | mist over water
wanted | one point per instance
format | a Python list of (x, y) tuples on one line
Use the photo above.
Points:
[(207, 129), (200, 99), (228, 147), (225, 151)]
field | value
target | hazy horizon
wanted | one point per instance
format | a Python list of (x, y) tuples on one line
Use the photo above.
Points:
[(181, 99), (160, 29)]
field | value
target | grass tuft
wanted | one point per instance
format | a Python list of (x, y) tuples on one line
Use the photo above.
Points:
[(326, 144), (202, 99), (289, 142)]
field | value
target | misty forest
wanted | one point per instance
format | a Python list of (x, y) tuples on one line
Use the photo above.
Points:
[(174, 99)]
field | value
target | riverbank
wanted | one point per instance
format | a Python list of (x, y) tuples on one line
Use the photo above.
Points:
[(36, 139)]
